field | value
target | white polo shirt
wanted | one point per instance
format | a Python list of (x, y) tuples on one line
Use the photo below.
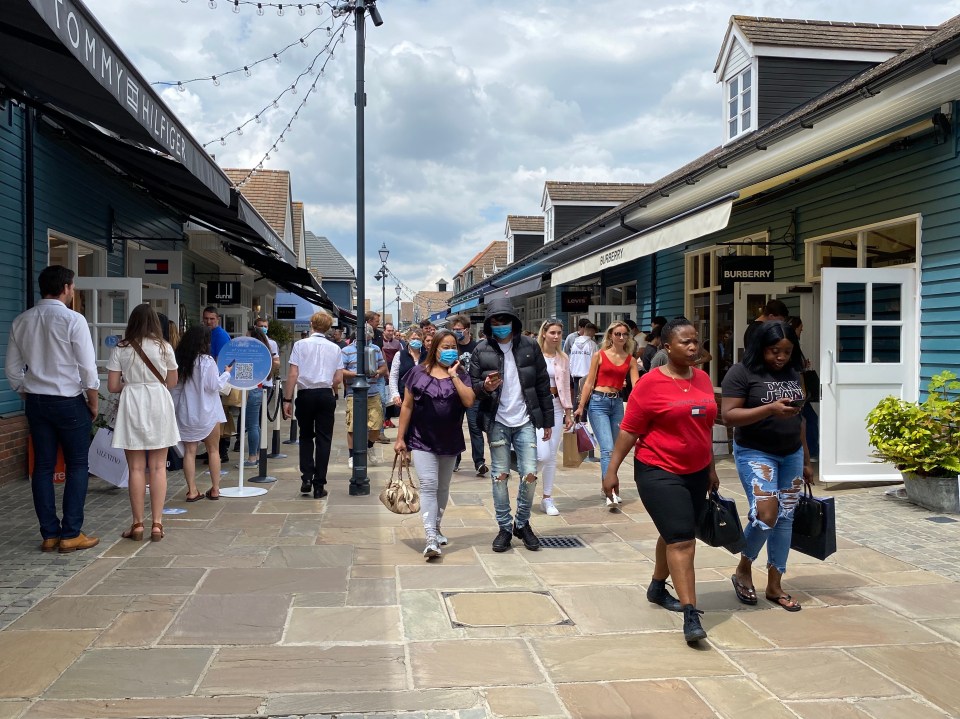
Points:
[(317, 360)]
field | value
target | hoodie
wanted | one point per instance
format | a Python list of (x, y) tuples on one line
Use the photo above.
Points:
[(581, 352)]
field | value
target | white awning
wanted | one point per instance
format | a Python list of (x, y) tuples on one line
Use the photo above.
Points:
[(661, 237), (516, 289)]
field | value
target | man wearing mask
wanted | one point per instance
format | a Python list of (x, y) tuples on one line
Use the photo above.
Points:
[(375, 371), (466, 346), (509, 374), (391, 345)]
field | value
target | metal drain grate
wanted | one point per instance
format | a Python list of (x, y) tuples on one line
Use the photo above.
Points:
[(560, 542), (941, 520)]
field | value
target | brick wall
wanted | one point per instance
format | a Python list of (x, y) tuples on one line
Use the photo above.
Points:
[(13, 449)]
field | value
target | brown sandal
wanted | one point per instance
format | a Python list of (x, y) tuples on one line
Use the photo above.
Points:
[(210, 495), (156, 533), (135, 532)]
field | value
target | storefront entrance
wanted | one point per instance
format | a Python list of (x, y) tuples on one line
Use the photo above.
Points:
[(106, 303), (603, 315)]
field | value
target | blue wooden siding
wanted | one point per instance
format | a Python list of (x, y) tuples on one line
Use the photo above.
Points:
[(12, 265)]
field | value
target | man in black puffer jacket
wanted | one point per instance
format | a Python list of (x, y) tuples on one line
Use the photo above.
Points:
[(509, 376)]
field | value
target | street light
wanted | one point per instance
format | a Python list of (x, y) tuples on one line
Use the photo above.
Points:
[(397, 324), (384, 254), (382, 277)]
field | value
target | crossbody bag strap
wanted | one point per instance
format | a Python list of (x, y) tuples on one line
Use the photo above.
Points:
[(146, 360)]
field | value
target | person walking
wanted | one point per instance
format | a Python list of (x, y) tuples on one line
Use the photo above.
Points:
[(774, 310), (316, 370), (196, 400), (509, 374), (218, 340), (571, 338), (52, 364), (582, 349), (403, 361), (811, 392), (376, 369), (669, 427), (558, 369), (143, 368), (460, 325), (438, 393), (391, 345), (609, 370), (762, 397)]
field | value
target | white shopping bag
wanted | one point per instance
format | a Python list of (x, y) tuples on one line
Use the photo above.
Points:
[(107, 463)]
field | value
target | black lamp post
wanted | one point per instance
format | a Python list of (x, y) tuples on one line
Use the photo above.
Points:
[(397, 323), (382, 276)]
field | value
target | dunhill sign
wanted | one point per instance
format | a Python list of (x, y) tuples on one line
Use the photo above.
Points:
[(223, 293)]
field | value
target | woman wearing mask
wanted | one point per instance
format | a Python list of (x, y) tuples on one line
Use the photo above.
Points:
[(550, 337), (437, 395), (669, 426), (404, 361), (609, 369), (198, 407), (142, 368), (762, 397)]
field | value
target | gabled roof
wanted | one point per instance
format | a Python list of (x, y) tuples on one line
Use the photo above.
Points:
[(590, 191), (269, 192), (297, 209), (493, 255), (324, 257), (525, 223)]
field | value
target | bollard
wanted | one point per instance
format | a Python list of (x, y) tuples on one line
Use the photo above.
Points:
[(262, 476), (275, 452)]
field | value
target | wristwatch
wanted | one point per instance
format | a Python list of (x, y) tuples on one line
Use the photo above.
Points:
[(287, 400)]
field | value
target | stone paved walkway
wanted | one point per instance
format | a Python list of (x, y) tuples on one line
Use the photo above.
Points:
[(282, 606)]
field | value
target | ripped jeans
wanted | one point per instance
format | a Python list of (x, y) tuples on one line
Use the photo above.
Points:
[(523, 439), (769, 475)]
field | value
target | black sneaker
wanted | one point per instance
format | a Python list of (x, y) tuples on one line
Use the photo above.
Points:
[(525, 533), (319, 493), (482, 469), (305, 486), (657, 594), (692, 629), (502, 541)]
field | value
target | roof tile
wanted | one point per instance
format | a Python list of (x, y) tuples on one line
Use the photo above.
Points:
[(269, 192), (831, 34), (593, 191)]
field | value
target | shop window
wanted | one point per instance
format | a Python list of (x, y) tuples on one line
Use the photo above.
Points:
[(84, 259), (708, 307), (622, 295), (887, 244), (535, 313), (739, 103)]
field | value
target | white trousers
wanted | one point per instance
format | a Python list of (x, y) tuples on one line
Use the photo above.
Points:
[(547, 451)]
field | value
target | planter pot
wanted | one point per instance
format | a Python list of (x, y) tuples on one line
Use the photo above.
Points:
[(938, 494)]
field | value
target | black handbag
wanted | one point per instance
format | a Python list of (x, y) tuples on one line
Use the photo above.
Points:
[(720, 524), (811, 385), (824, 543), (808, 515)]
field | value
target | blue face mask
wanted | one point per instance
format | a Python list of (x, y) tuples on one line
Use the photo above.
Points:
[(448, 357), (264, 329), (415, 344), (458, 334), (501, 332)]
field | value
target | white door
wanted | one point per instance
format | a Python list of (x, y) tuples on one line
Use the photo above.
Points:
[(235, 320), (603, 315), (106, 303), (749, 297), (869, 349), (163, 300)]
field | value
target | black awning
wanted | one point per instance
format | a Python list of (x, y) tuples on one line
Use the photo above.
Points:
[(56, 52)]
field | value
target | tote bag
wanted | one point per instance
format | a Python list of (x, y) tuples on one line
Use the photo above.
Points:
[(106, 462), (821, 518)]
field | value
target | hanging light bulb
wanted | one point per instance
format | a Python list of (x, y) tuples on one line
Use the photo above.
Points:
[(280, 10), (212, 4), (184, 1), (180, 87), (223, 141), (322, 71), (246, 71), (300, 9), (318, 9), (239, 130), (329, 32), (282, 138), (293, 89), (267, 157), (275, 105), (276, 57), (310, 70), (303, 41), (259, 8), (215, 81), (257, 118), (236, 6)]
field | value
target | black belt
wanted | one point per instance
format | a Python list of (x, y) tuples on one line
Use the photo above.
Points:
[(315, 389), (609, 395)]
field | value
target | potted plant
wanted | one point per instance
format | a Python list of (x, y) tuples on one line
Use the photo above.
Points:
[(922, 439)]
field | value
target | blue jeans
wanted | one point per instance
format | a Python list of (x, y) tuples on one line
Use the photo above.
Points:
[(771, 477), (252, 425), (523, 439), (476, 435), (605, 414), (64, 422)]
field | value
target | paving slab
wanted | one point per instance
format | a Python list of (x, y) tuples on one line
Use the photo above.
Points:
[(309, 557), (504, 609), (940, 602), (444, 577), (900, 709), (12, 709), (523, 701), (211, 619), (267, 580), (616, 700), (132, 673), (425, 616), (242, 670), (372, 591), (473, 663), (828, 710), (32, 660), (342, 625), (367, 702), (88, 577), (734, 697), (149, 580), (922, 669), (125, 708), (72, 613), (602, 609), (137, 629)]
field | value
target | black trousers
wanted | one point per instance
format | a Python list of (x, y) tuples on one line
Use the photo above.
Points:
[(314, 411)]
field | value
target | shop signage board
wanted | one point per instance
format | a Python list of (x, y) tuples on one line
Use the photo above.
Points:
[(286, 312), (156, 266), (223, 293), (575, 301), (733, 269)]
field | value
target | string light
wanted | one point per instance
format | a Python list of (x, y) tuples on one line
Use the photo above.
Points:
[(212, 4), (291, 89), (245, 69), (310, 90)]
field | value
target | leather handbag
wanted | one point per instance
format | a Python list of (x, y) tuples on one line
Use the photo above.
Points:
[(400, 495), (720, 524), (808, 515), (585, 439), (824, 543)]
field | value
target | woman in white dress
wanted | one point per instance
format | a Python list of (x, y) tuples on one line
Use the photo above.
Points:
[(142, 368), (199, 410)]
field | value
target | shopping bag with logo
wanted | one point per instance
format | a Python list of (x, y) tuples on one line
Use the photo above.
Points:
[(720, 525), (586, 442), (820, 516), (107, 462), (59, 469), (572, 456), (401, 495)]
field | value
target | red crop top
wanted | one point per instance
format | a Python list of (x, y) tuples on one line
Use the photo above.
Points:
[(610, 374)]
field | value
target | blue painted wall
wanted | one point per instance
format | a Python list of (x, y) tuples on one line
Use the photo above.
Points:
[(12, 263), (339, 292)]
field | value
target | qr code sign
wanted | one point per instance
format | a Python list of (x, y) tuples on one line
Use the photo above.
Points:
[(243, 371)]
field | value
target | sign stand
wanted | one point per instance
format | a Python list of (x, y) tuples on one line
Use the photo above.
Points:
[(240, 490)]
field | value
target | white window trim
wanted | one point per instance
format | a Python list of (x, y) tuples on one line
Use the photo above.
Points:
[(754, 84), (548, 224), (623, 289), (100, 253), (813, 274)]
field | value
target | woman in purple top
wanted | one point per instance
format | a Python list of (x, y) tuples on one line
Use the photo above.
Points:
[(438, 393)]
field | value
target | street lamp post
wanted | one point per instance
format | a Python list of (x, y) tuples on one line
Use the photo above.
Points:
[(359, 481), (382, 276), (397, 324)]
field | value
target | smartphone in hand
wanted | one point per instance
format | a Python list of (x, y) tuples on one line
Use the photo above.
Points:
[(797, 402)]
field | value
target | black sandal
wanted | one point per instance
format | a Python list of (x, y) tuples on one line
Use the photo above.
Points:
[(209, 494), (746, 595), (197, 498), (787, 602)]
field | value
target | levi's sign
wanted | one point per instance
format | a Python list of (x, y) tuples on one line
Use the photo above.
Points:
[(744, 269)]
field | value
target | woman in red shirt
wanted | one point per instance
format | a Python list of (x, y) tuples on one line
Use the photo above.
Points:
[(668, 424), (601, 388)]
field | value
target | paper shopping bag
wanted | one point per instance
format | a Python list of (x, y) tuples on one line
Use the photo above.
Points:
[(106, 462), (572, 456)]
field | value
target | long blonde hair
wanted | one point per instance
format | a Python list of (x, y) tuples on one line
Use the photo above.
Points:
[(542, 335), (628, 346)]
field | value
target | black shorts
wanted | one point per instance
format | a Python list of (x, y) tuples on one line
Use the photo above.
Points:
[(675, 502)]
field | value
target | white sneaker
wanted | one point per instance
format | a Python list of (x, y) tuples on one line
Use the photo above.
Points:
[(431, 550), (372, 460), (350, 463), (441, 540), (549, 507), (616, 499), (612, 506)]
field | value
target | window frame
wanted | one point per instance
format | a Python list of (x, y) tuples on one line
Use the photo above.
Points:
[(73, 244), (536, 310), (814, 273), (741, 110)]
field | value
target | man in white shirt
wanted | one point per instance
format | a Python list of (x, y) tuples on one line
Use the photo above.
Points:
[(51, 362)]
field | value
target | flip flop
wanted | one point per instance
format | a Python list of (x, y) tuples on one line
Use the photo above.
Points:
[(785, 601), (196, 498), (209, 495), (746, 595)]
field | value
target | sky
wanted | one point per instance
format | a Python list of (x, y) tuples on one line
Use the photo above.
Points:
[(472, 105)]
